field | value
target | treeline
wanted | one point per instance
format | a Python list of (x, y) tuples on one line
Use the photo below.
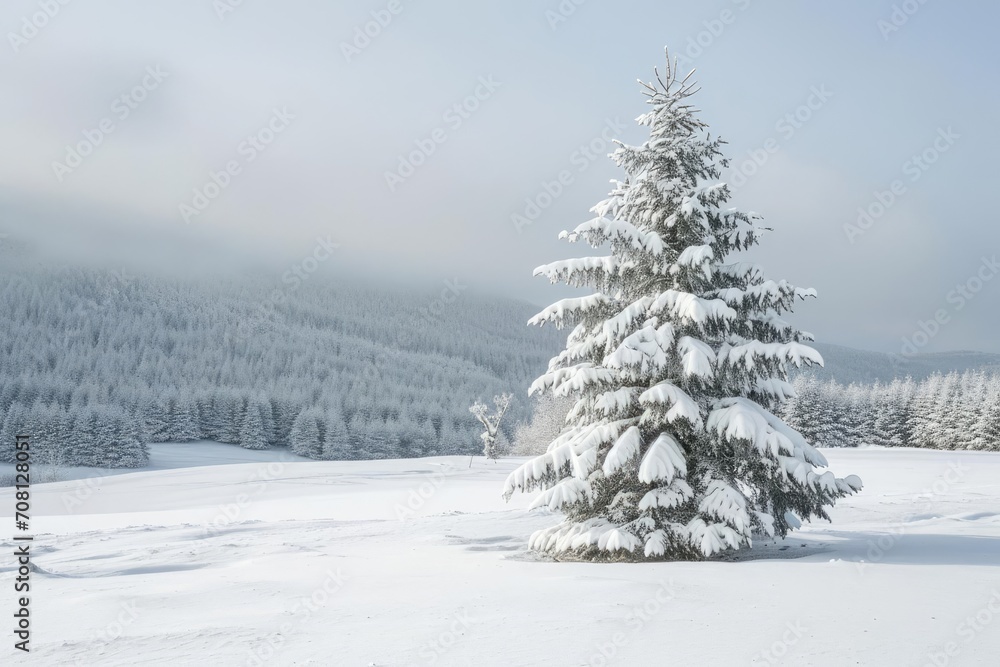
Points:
[(96, 364), (953, 411)]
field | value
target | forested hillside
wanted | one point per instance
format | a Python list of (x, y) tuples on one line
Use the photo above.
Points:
[(94, 364)]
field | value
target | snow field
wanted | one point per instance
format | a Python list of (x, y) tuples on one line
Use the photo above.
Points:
[(420, 562)]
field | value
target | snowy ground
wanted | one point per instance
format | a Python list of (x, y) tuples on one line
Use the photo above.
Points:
[(420, 562), (168, 456)]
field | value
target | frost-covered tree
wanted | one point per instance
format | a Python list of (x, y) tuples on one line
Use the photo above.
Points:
[(336, 443), (859, 416), (803, 409), (968, 412), (892, 413), (182, 420), (305, 438), (532, 437), (833, 417), (677, 361), (988, 425), (491, 422), (921, 424), (944, 427), (252, 434)]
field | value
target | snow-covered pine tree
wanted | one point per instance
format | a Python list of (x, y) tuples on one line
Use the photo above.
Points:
[(803, 410), (305, 438), (14, 423), (832, 416), (182, 419), (252, 434), (988, 428), (336, 441), (895, 414), (677, 361), (946, 417), (120, 439), (968, 411), (920, 423), (859, 417)]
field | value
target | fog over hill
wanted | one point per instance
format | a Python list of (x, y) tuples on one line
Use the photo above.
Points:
[(847, 365)]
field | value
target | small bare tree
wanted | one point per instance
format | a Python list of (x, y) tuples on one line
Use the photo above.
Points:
[(491, 422)]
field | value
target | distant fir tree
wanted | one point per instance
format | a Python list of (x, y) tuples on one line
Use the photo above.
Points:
[(988, 426), (306, 438), (859, 416), (336, 440), (920, 423), (252, 435)]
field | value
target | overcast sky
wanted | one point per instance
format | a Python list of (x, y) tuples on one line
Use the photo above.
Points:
[(183, 85)]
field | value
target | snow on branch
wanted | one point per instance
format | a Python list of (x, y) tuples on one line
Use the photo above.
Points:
[(642, 353), (601, 230), (567, 269), (749, 355), (741, 419), (691, 308), (679, 405), (560, 312), (664, 461), (625, 449), (672, 495)]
